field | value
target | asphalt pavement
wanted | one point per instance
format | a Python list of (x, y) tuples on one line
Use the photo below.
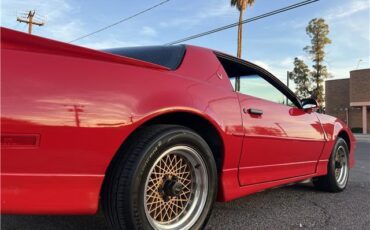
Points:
[(297, 206)]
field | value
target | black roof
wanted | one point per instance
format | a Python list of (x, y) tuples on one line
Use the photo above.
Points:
[(167, 56)]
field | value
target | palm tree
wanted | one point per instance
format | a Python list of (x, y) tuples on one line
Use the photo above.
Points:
[(241, 5)]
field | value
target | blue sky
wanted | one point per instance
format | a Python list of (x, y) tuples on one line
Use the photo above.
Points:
[(271, 42)]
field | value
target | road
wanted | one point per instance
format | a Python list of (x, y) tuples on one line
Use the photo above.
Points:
[(293, 207)]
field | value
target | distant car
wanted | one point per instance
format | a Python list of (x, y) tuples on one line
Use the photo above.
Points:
[(153, 134)]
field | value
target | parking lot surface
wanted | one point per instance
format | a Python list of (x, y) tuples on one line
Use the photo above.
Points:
[(292, 207)]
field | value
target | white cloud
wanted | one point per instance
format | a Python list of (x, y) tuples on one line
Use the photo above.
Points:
[(61, 25), (55, 13), (277, 68), (176, 22), (287, 62), (108, 43), (216, 10), (66, 32), (348, 9), (349, 32), (148, 31), (262, 64)]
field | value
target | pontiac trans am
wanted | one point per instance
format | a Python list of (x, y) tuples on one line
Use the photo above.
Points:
[(153, 135)]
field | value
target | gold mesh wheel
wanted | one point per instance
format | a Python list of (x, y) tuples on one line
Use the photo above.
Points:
[(176, 189)]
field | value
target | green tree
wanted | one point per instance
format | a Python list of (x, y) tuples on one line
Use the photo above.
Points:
[(318, 31), (301, 77), (241, 5)]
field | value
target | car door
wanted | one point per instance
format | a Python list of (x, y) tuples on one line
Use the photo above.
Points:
[(281, 140)]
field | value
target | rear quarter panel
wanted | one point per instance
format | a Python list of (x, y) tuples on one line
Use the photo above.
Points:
[(82, 110)]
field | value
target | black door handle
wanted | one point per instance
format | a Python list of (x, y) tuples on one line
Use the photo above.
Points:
[(255, 111)]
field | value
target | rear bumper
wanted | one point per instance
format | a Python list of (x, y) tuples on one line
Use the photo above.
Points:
[(50, 193)]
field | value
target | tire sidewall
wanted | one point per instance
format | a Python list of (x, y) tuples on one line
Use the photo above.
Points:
[(168, 139)]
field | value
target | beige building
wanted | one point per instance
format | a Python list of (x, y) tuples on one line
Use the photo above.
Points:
[(349, 100)]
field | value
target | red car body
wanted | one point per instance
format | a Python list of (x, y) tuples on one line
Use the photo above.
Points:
[(66, 110)]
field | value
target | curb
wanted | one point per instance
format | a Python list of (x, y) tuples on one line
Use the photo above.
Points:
[(362, 137)]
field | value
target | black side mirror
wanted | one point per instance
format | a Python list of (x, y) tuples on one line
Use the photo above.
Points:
[(309, 103)]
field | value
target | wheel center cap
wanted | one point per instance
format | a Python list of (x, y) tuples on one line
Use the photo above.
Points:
[(338, 164), (172, 188)]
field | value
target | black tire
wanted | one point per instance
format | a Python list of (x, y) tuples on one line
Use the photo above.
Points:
[(330, 182), (125, 185)]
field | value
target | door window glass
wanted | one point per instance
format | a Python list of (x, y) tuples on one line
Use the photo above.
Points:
[(254, 85)]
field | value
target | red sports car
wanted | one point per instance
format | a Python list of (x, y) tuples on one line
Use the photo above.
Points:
[(153, 134)]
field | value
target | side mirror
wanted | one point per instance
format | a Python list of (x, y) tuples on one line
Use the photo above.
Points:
[(309, 103)]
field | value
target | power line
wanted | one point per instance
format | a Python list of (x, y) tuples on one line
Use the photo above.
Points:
[(120, 21), (278, 11)]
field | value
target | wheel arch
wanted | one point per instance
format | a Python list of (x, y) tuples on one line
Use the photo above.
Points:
[(343, 134), (202, 125), (126, 176)]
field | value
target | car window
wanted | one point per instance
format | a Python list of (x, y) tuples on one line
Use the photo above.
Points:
[(167, 56), (254, 85), (256, 81)]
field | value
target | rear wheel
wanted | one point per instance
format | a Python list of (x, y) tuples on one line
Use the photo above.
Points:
[(338, 169), (165, 179)]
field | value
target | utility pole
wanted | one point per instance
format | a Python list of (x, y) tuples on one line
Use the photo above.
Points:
[(28, 19), (76, 109)]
